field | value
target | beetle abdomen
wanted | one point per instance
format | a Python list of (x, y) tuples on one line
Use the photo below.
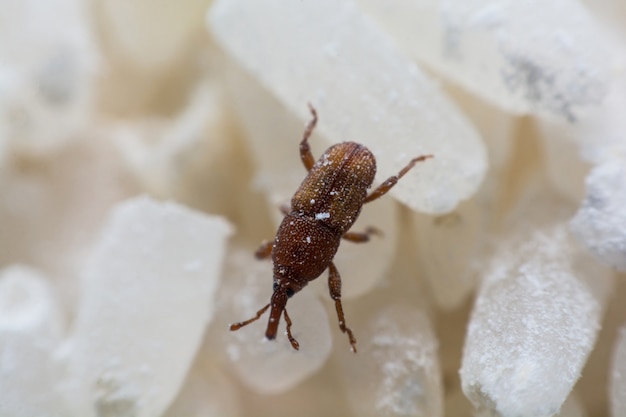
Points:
[(336, 186)]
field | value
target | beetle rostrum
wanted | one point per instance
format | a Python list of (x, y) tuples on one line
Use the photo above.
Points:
[(322, 211)]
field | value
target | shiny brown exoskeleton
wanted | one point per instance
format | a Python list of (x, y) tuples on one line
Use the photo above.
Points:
[(323, 209)]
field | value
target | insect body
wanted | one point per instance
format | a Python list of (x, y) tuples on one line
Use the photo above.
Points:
[(323, 209)]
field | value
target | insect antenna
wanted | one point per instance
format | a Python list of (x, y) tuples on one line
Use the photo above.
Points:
[(294, 342), (237, 326)]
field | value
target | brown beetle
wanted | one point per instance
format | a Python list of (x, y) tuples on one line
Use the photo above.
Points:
[(322, 211)]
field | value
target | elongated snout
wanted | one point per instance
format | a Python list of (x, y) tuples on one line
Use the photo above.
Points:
[(277, 305)]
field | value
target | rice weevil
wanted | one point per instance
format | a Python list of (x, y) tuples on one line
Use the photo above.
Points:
[(323, 209)]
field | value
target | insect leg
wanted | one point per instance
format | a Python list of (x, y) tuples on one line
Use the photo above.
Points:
[(334, 285), (383, 188), (305, 150), (285, 208), (265, 250), (362, 237)]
